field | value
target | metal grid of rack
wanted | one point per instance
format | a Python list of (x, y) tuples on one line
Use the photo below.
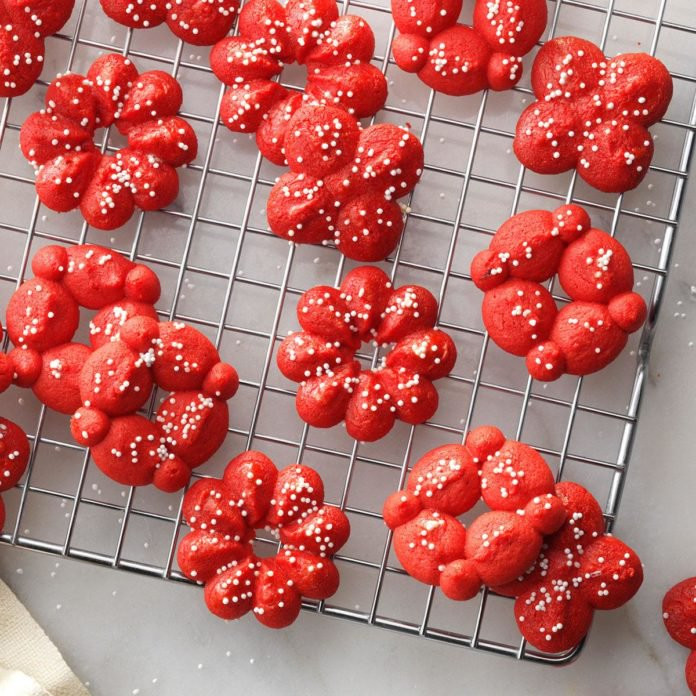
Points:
[(227, 275)]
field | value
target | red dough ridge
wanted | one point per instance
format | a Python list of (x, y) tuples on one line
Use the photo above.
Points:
[(24, 24), (595, 271), (592, 113), (456, 59), (580, 569), (198, 22), (223, 515), (71, 172), (333, 385)]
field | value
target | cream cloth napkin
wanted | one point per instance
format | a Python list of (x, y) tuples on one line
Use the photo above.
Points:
[(30, 665)]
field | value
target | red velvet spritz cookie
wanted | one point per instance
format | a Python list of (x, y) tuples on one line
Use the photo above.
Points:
[(679, 615), (595, 271), (579, 569), (515, 482), (199, 22), (458, 59), (592, 114), (71, 172), (344, 181), (223, 515), (24, 24), (14, 456), (333, 385), (104, 385)]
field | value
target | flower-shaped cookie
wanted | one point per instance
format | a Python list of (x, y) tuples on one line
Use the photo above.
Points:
[(199, 22), (334, 386), (592, 113), (580, 569), (344, 182), (594, 270), (434, 547), (336, 50), (679, 615), (104, 385), (457, 59), (71, 171), (24, 24), (14, 456), (223, 514)]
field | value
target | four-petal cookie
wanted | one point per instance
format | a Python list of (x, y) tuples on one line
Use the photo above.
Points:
[(592, 113)]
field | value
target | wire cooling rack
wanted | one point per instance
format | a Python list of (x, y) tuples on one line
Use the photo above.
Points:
[(226, 274)]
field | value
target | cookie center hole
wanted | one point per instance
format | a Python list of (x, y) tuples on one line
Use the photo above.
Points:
[(294, 77), (365, 355)]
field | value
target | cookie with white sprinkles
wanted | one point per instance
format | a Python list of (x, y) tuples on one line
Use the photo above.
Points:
[(24, 24), (333, 385), (344, 182), (592, 113), (72, 172), (218, 552), (336, 50), (103, 385), (435, 547), (594, 269), (457, 59), (198, 22)]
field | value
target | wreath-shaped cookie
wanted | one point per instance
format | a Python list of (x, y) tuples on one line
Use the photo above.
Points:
[(457, 59), (224, 514), (14, 456), (679, 615), (24, 24), (71, 171), (333, 385), (580, 569), (592, 113), (543, 544), (434, 547), (336, 50), (105, 384), (593, 268), (199, 22)]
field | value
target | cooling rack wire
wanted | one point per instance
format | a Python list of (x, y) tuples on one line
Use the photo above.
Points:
[(225, 273)]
